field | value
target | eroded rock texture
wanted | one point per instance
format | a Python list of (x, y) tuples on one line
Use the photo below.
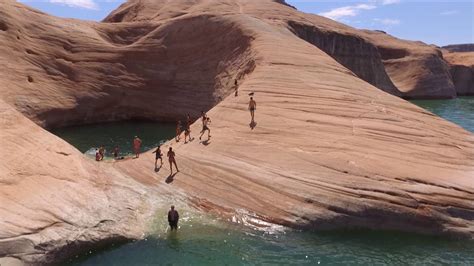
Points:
[(462, 71), (330, 150)]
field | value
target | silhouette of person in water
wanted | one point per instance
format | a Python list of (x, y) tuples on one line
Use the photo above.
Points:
[(172, 160), (137, 143), (116, 153), (101, 153), (97, 155), (158, 156), (173, 218)]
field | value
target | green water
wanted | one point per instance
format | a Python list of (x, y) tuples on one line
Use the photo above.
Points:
[(205, 241), (459, 110), (211, 244), (88, 138)]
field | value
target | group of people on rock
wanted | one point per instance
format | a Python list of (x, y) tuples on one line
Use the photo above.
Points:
[(173, 215), (186, 129)]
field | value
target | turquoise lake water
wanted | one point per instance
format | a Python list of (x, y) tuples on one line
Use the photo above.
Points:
[(206, 241), (459, 111), (89, 137)]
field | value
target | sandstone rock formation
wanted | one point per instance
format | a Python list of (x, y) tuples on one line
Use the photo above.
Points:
[(329, 150), (54, 199), (468, 47), (462, 71), (416, 69)]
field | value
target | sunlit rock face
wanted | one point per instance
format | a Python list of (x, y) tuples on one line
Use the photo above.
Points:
[(330, 149)]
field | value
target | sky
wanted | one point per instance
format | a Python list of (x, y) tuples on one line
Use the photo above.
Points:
[(439, 22)]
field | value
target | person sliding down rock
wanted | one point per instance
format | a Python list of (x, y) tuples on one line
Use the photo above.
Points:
[(173, 218)]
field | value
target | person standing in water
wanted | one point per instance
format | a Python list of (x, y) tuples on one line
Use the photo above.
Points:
[(97, 155), (158, 156), (116, 153), (173, 218), (137, 143), (187, 130), (102, 153), (178, 130), (172, 160), (252, 108)]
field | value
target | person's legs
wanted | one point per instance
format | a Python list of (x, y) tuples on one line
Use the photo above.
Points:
[(156, 163), (252, 113), (202, 133), (174, 161), (171, 166), (208, 133), (174, 226)]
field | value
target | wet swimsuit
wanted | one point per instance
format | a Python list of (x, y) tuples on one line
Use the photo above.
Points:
[(158, 154), (171, 156)]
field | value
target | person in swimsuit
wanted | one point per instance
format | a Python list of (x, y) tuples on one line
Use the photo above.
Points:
[(101, 153), (137, 143), (158, 155), (252, 108), (97, 155), (187, 130), (178, 131), (116, 152), (205, 127), (172, 160), (173, 218)]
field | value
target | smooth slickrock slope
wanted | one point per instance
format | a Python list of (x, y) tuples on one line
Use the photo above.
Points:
[(330, 150), (462, 71)]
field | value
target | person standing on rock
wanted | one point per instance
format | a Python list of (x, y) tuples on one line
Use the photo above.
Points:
[(205, 127), (158, 155), (187, 129), (172, 160), (173, 218), (178, 131), (252, 108), (137, 143), (236, 88)]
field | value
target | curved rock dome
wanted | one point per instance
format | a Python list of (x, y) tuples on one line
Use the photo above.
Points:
[(332, 149)]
